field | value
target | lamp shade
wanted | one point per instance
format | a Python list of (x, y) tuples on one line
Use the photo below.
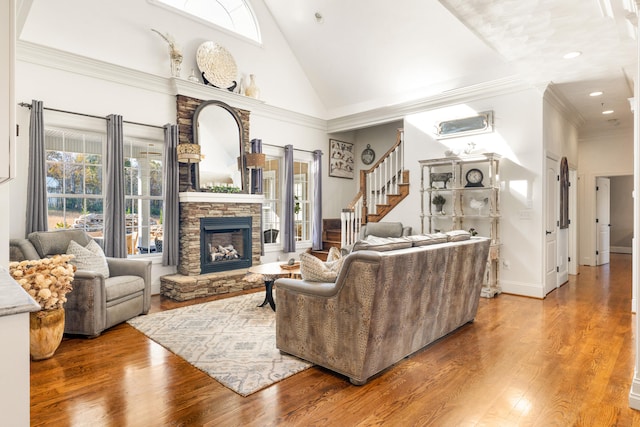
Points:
[(188, 153), (255, 160)]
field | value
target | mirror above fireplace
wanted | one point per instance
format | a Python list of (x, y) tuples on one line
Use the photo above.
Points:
[(218, 129)]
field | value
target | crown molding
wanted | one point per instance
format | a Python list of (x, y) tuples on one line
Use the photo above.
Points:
[(101, 70), (556, 99), (400, 111)]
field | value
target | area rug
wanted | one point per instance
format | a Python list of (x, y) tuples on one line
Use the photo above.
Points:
[(232, 340)]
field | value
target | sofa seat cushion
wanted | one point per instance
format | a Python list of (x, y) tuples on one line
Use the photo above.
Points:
[(381, 244), (119, 287), (89, 258)]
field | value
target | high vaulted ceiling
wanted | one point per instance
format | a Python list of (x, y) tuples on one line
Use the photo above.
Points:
[(363, 55)]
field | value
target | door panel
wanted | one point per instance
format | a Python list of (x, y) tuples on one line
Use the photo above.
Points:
[(551, 225), (603, 213)]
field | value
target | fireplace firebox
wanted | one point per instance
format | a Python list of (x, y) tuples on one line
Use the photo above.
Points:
[(225, 244)]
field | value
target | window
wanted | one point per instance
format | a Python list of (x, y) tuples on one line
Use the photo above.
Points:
[(273, 190), (74, 180), (233, 15), (143, 196), (302, 202), (75, 190), (271, 207)]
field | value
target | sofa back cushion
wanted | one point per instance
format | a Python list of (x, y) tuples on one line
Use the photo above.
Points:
[(427, 239), (381, 244), (49, 243)]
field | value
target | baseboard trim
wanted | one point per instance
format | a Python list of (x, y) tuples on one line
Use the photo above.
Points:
[(522, 289), (634, 393)]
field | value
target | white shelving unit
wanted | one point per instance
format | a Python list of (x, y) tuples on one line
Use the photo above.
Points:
[(469, 204)]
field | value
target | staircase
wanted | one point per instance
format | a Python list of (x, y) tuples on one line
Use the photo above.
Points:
[(382, 188)]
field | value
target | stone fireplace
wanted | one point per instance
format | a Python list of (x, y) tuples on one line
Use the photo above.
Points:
[(225, 243), (241, 212)]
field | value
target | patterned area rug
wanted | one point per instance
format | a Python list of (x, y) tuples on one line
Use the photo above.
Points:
[(232, 340)]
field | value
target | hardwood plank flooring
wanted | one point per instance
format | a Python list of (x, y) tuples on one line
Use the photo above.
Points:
[(566, 360)]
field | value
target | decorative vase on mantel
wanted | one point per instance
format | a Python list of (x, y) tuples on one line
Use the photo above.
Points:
[(252, 90), (45, 332)]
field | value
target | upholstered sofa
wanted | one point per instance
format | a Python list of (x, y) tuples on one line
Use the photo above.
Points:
[(95, 303), (384, 305)]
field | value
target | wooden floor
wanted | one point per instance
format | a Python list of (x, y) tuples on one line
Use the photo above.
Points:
[(564, 361)]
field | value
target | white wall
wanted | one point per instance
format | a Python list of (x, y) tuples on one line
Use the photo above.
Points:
[(518, 138), (609, 154), (121, 34)]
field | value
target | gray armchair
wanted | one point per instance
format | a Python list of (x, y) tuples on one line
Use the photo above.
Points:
[(95, 303)]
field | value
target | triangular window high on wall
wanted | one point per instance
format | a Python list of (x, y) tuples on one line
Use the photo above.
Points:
[(235, 16)]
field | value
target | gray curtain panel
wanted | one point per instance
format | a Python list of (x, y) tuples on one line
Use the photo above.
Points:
[(171, 209), (316, 223), (256, 174), (288, 237), (115, 244), (256, 184), (37, 181)]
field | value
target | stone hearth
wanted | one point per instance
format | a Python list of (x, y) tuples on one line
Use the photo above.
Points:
[(189, 283)]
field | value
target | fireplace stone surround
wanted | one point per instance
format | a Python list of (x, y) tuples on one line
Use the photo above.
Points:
[(189, 283)]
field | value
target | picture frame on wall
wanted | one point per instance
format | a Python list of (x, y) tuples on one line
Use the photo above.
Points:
[(481, 123), (341, 159)]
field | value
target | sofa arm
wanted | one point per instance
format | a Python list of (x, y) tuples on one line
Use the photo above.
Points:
[(22, 249), (86, 306), (134, 267), (323, 289)]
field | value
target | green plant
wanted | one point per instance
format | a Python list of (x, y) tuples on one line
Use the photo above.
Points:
[(438, 199), (296, 206)]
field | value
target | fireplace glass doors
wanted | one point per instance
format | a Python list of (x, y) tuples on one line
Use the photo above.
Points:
[(225, 244)]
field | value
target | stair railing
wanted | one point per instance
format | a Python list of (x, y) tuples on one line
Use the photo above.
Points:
[(375, 184)]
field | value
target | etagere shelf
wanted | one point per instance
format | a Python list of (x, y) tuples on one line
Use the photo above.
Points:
[(470, 188)]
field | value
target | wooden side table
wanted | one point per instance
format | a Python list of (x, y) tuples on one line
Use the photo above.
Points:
[(270, 272)]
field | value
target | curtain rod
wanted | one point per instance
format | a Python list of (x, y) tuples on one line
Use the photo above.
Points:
[(295, 149), (26, 105)]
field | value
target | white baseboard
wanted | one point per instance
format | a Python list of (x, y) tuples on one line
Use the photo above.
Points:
[(634, 393), (523, 289)]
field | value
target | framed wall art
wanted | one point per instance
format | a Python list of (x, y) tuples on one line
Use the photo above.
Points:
[(482, 123), (341, 159)]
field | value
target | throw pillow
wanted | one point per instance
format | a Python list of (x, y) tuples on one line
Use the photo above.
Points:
[(90, 257), (334, 254), (315, 270)]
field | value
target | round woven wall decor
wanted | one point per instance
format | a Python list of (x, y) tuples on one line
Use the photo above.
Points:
[(217, 64)]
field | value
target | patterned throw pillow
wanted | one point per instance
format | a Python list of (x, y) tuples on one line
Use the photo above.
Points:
[(89, 258), (315, 270)]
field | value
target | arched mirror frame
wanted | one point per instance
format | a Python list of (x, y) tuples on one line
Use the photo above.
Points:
[(241, 144)]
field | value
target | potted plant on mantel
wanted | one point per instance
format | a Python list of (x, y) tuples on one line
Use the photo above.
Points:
[(48, 281)]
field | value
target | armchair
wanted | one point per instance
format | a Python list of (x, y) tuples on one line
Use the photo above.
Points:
[(95, 303)]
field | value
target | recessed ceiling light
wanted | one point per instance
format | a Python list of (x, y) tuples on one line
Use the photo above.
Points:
[(572, 55), (596, 93), (607, 112)]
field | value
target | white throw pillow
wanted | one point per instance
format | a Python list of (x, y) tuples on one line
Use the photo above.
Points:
[(315, 270), (89, 258)]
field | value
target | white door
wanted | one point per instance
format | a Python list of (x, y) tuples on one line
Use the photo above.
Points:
[(603, 193), (551, 225)]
